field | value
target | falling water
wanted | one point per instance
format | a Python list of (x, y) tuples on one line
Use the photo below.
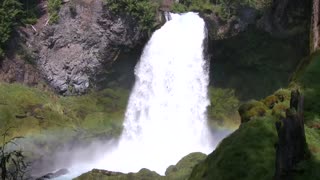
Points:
[(166, 113)]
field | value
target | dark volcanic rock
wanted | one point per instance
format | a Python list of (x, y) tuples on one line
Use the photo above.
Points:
[(87, 38), (291, 148)]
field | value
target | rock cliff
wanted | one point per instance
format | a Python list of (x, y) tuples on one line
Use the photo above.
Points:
[(87, 38)]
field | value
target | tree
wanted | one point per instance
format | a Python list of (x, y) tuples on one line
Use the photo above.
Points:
[(9, 14)]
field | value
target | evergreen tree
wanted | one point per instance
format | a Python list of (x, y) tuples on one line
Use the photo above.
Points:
[(9, 14)]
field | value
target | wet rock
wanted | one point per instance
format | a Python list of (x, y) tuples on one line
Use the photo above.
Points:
[(56, 174)]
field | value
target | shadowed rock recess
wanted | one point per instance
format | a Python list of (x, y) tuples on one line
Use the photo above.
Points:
[(87, 37)]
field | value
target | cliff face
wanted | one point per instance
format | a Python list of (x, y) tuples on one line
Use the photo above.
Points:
[(87, 38), (315, 22)]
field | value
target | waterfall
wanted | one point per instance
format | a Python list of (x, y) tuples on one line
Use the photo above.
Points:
[(166, 113), (166, 117)]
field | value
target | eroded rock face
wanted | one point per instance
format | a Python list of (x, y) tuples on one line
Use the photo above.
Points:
[(17, 70), (86, 39)]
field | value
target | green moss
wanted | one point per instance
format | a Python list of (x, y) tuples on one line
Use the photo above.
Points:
[(248, 153), (252, 109), (310, 167), (144, 11), (35, 111), (143, 174), (183, 168), (53, 10)]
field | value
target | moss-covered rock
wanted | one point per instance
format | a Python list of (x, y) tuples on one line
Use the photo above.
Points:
[(180, 171), (248, 153), (183, 169), (252, 109), (143, 174)]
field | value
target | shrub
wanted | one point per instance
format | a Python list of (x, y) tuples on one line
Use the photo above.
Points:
[(252, 109), (53, 10), (9, 14), (144, 11), (192, 5)]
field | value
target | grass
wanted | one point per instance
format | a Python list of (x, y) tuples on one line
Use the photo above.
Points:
[(33, 111)]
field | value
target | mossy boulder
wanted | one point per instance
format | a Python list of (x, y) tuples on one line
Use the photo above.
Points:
[(246, 154), (143, 174), (251, 110), (275, 104), (183, 169)]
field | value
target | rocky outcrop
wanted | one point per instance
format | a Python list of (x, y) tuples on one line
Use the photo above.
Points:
[(17, 70), (291, 147), (221, 29), (315, 26), (87, 39), (53, 175)]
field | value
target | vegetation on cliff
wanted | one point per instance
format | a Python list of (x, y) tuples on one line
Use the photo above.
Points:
[(9, 15), (143, 11), (249, 153), (225, 9)]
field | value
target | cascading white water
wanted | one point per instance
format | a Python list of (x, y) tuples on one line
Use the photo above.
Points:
[(166, 113)]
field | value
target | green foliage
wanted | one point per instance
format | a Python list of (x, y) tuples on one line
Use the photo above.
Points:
[(30, 12), (13, 13), (144, 11), (223, 109), (246, 154), (53, 10), (225, 9), (10, 11), (192, 5), (273, 105)]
